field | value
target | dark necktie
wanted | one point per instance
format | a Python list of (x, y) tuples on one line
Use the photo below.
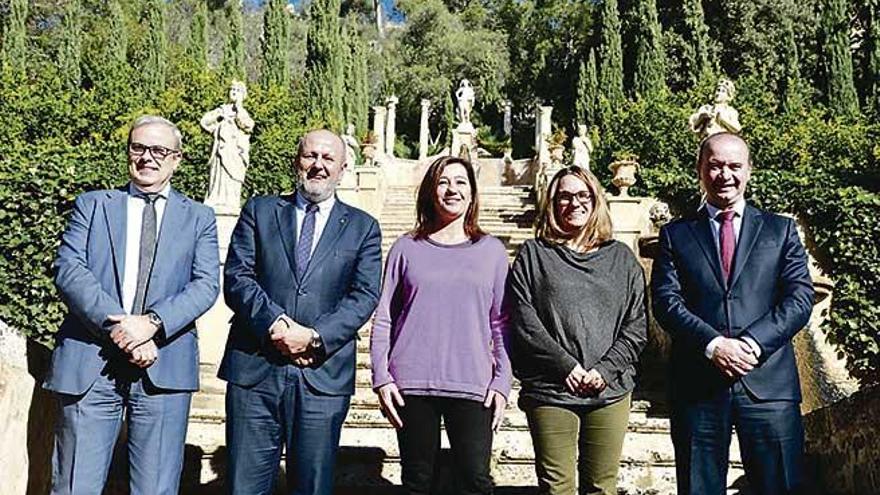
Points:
[(148, 251), (726, 241), (304, 244)]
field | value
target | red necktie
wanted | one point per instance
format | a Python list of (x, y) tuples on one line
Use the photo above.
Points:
[(726, 241)]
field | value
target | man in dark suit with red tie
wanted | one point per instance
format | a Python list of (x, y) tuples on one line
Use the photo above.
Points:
[(732, 288)]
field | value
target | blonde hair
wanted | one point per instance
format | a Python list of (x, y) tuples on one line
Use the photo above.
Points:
[(598, 228)]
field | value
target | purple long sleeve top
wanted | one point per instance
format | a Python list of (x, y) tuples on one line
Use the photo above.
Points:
[(441, 326)]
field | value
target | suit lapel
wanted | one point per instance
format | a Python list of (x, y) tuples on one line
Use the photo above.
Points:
[(116, 215), (173, 220), (705, 238), (334, 227), (748, 234), (285, 215)]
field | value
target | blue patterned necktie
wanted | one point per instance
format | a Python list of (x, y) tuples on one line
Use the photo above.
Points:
[(306, 237)]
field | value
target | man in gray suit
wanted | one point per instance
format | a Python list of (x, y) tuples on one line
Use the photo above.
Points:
[(136, 266)]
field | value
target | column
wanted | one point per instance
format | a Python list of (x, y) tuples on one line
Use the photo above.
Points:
[(390, 125), (424, 129)]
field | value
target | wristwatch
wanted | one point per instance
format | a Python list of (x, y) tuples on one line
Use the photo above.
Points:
[(155, 320), (316, 342)]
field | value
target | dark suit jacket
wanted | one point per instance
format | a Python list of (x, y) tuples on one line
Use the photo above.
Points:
[(769, 298), (184, 283), (336, 296)]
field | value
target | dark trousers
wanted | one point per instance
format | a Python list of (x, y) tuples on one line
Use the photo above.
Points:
[(469, 428), (282, 411), (771, 441), (89, 424)]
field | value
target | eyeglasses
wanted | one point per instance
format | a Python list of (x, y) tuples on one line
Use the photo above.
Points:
[(158, 152), (564, 198)]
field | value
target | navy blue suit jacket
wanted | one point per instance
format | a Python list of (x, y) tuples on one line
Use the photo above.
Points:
[(336, 296), (89, 269), (769, 298)]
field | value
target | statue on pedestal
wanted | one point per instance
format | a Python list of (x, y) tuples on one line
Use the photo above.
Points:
[(582, 147), (231, 126), (351, 146), (466, 99), (718, 117)]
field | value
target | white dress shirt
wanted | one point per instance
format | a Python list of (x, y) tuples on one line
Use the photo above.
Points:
[(715, 222), (134, 217), (321, 216)]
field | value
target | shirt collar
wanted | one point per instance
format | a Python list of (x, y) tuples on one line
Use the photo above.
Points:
[(323, 206), (135, 190), (739, 207)]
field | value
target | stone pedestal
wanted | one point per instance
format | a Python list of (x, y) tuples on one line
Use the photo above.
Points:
[(213, 326), (364, 189), (464, 141)]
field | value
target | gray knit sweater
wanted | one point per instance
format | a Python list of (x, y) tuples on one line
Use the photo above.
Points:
[(570, 308)]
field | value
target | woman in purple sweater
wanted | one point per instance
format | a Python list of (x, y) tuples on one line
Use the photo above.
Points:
[(438, 340)]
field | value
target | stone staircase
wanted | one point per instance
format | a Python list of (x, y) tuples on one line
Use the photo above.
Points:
[(369, 461)]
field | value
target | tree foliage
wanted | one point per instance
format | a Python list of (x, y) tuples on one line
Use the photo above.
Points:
[(588, 92), (648, 73), (837, 59), (155, 50), (232, 66), (197, 43), (325, 61), (70, 49), (610, 61), (13, 46), (276, 45)]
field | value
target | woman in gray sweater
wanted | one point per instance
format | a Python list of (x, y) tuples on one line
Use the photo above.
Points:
[(579, 324)]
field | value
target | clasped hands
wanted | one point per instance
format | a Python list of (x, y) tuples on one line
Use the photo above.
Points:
[(133, 334), (293, 340), (584, 383), (390, 400), (734, 357)]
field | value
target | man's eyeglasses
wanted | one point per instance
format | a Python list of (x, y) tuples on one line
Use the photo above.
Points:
[(158, 152), (584, 198)]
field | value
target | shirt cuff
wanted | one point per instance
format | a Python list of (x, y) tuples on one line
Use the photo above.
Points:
[(710, 348), (753, 344)]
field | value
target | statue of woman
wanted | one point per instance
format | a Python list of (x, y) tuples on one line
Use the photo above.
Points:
[(351, 145), (465, 96), (231, 126), (582, 147), (717, 117)]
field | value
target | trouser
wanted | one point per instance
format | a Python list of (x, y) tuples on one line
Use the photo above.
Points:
[(282, 410), (578, 442), (469, 428), (89, 424), (771, 441)]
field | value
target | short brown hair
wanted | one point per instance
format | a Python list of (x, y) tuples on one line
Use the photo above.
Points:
[(598, 228), (427, 220)]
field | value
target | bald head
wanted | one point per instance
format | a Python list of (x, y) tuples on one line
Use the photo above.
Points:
[(320, 134), (709, 143), (320, 163)]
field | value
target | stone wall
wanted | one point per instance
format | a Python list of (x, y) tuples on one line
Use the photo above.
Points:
[(843, 444), (27, 416)]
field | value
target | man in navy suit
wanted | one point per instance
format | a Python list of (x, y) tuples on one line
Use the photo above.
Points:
[(302, 276), (732, 287), (136, 267)]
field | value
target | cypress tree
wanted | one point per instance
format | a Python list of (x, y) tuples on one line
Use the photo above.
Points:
[(70, 48), (116, 47), (276, 45), (152, 66), (873, 46), (790, 83), (357, 91), (232, 66), (325, 59), (648, 53), (588, 87), (610, 61), (837, 59), (697, 34), (197, 44), (13, 50)]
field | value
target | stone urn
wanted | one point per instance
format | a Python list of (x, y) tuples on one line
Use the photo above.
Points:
[(369, 152), (624, 171), (557, 152)]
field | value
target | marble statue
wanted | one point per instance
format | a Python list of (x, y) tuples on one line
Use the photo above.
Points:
[(582, 147), (351, 145), (231, 126), (465, 97), (659, 214), (718, 117)]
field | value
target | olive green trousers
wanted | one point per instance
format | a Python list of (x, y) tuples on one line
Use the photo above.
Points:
[(578, 442)]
